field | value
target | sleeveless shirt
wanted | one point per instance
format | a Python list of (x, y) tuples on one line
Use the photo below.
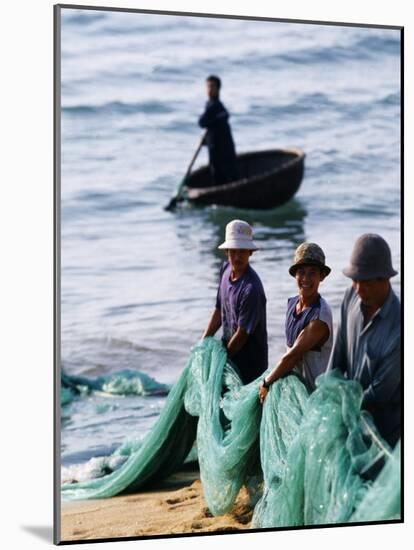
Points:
[(314, 362)]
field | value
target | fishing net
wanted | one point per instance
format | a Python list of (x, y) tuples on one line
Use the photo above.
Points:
[(123, 382), (305, 459), (161, 453)]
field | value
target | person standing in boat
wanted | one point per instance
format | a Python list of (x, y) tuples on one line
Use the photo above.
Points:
[(241, 305), (219, 140), (309, 327)]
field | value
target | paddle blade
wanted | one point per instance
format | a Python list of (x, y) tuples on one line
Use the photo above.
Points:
[(172, 204)]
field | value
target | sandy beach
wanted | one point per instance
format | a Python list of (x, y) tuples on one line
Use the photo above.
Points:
[(174, 506)]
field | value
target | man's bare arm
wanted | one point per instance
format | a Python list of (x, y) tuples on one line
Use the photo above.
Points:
[(214, 324), (315, 334), (237, 341)]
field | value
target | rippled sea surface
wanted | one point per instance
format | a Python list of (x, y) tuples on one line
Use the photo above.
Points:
[(138, 283)]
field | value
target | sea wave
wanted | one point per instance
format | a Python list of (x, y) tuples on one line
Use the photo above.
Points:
[(94, 468), (390, 99), (84, 203), (320, 54), (82, 17), (306, 103), (375, 44), (363, 48), (120, 107)]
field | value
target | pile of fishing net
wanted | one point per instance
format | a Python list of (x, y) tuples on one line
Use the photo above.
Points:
[(306, 459), (124, 382)]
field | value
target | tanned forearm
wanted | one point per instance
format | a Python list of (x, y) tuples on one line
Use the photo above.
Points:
[(214, 324), (236, 342), (316, 333), (285, 365)]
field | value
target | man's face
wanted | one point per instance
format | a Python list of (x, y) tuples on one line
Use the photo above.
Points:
[(239, 259), (212, 90), (308, 278), (370, 291)]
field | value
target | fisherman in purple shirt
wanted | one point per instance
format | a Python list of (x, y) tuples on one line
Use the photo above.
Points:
[(241, 305)]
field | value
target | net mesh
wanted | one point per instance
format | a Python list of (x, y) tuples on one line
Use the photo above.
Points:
[(305, 459)]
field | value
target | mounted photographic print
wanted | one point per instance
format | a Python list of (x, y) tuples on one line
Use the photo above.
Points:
[(228, 274)]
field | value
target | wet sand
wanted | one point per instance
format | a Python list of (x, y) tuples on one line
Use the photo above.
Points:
[(174, 506)]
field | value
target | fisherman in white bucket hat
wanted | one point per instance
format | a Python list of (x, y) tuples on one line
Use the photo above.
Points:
[(241, 305), (239, 235)]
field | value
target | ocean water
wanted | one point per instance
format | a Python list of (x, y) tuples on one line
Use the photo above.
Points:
[(137, 283)]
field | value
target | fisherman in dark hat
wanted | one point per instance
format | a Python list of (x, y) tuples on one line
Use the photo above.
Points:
[(368, 342), (309, 330), (222, 153)]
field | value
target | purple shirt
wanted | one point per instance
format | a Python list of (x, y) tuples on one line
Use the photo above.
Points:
[(242, 303)]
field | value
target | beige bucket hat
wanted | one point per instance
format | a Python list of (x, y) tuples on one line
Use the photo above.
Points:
[(309, 254)]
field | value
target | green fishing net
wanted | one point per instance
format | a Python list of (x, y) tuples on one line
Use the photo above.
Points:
[(305, 459), (124, 382)]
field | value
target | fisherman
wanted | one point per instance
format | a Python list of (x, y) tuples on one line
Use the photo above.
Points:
[(308, 326), (241, 305), (368, 342), (219, 140)]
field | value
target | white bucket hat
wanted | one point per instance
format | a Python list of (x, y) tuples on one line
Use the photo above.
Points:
[(239, 235)]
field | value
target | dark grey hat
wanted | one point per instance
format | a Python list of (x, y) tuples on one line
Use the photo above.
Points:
[(309, 254), (370, 259)]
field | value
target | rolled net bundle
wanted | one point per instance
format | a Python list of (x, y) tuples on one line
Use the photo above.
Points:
[(228, 425), (281, 456), (322, 474)]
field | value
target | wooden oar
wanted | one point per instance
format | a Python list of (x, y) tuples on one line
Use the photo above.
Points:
[(173, 202)]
